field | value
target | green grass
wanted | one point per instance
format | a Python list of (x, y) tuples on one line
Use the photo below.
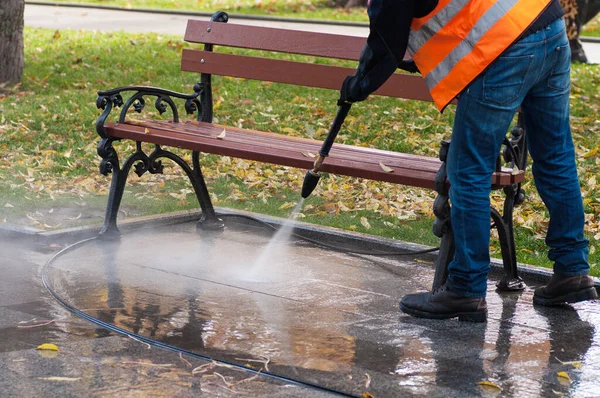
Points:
[(306, 9), (49, 161)]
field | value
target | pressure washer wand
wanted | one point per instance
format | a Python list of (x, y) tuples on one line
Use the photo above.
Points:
[(312, 176)]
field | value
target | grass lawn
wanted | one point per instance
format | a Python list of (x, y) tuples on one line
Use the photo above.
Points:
[(310, 9), (48, 166)]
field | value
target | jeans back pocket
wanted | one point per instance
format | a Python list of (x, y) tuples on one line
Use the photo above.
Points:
[(503, 80), (560, 77)]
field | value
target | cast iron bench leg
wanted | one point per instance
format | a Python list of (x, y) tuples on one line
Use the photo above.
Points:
[(441, 226), (208, 220), (117, 185), (504, 225)]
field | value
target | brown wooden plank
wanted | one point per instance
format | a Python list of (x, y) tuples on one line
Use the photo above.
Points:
[(274, 39), (273, 141), (268, 142), (357, 166), (298, 73)]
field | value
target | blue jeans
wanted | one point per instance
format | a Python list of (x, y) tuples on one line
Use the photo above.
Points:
[(533, 73)]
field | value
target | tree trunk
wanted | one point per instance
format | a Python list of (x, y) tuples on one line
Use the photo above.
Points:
[(11, 40)]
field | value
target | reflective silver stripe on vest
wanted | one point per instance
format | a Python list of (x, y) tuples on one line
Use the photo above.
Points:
[(487, 20), (434, 24)]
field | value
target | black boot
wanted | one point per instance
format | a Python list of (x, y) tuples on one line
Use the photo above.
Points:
[(566, 289), (577, 53), (443, 304)]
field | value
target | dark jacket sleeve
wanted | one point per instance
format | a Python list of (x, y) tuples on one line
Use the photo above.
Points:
[(389, 28)]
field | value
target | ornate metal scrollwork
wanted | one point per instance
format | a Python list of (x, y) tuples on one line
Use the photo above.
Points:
[(107, 100)]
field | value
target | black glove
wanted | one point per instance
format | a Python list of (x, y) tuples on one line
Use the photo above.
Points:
[(409, 66), (351, 91)]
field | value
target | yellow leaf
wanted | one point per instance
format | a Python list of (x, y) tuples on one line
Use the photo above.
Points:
[(386, 168), (222, 135), (367, 395), (287, 205), (489, 384), (563, 377), (289, 130), (146, 130), (47, 346), (308, 154), (365, 222), (592, 152)]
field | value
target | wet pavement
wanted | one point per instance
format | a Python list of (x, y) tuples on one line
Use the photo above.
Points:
[(311, 317)]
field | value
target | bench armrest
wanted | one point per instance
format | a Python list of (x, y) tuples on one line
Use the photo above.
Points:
[(108, 99)]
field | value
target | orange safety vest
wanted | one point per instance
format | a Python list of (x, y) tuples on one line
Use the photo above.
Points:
[(459, 39)]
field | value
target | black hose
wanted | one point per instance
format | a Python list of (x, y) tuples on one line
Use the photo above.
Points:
[(159, 344)]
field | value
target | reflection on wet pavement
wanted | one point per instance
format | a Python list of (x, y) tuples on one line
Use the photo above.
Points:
[(325, 318)]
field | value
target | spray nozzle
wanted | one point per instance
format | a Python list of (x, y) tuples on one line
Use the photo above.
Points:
[(311, 179)]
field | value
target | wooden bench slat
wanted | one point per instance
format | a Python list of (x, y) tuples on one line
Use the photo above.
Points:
[(273, 141), (297, 73), (351, 161), (272, 39)]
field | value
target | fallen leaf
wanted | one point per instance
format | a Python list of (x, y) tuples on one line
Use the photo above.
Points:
[(58, 378), (367, 395), (575, 364), (365, 222), (489, 384), (222, 135), (386, 168), (146, 130), (48, 347), (563, 378), (309, 154), (287, 205)]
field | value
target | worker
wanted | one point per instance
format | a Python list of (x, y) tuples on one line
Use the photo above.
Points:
[(494, 56)]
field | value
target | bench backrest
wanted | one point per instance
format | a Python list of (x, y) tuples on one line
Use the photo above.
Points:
[(282, 71)]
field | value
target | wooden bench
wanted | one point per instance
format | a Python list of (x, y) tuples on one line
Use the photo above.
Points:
[(202, 136)]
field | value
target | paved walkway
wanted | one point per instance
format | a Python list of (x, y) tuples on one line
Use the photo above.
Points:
[(308, 314), (53, 17)]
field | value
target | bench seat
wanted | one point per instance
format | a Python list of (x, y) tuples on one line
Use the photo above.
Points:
[(353, 161)]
